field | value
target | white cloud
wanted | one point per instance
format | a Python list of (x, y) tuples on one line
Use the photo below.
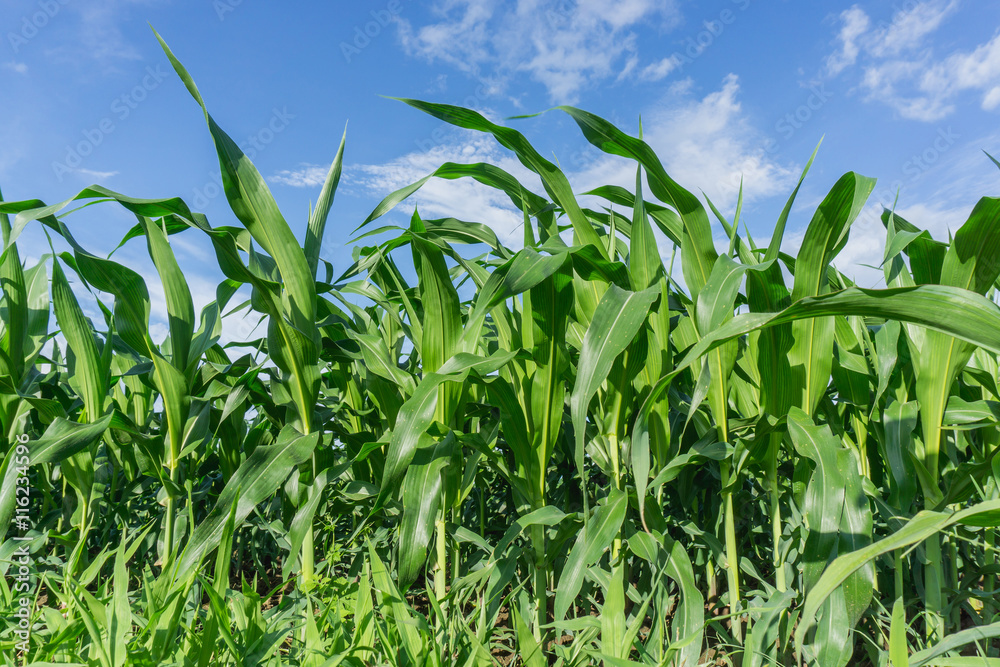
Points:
[(660, 69), (855, 23), (98, 175), (237, 327), (705, 144), (565, 46), (464, 199), (19, 68), (992, 99), (460, 38), (97, 28), (909, 27), (937, 194), (901, 70), (100, 33), (862, 256), (306, 176), (931, 88)]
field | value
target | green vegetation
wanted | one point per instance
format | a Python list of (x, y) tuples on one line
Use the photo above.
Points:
[(592, 458)]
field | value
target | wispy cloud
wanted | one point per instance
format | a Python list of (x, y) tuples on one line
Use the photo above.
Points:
[(98, 175), (306, 176), (861, 258), (909, 27), (855, 23), (660, 69), (19, 68), (705, 142), (98, 33), (566, 46), (937, 199), (901, 69), (464, 199)]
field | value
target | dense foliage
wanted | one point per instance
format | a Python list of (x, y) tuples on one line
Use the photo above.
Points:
[(570, 454)]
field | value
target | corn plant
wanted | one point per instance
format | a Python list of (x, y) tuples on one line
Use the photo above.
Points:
[(575, 451)]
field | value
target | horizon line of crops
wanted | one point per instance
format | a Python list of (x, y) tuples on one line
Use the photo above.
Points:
[(588, 461)]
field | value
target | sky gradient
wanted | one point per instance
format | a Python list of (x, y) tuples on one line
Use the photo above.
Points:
[(906, 92)]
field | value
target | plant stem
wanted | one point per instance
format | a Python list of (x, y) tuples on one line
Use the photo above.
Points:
[(616, 546), (732, 562), (541, 580), (932, 589), (440, 591), (934, 569), (308, 564), (729, 527), (169, 539), (898, 574), (779, 566)]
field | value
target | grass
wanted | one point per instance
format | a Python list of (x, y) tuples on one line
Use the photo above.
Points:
[(596, 458)]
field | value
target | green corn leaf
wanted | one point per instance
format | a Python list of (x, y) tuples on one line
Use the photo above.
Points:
[(899, 422), (976, 319), (774, 247), (613, 616), (836, 511), (305, 514), (421, 498), (666, 219), (921, 527), (417, 414), (764, 637), (260, 475), (932, 655), (64, 438), (529, 650), (180, 308), (88, 370), (402, 613), (701, 253), (317, 221), (594, 538), (688, 626), (644, 262), (970, 263), (119, 612), (811, 354), (548, 306), (442, 316), (832, 644), (61, 440), (17, 313), (296, 348), (486, 174), (618, 318), (553, 179)]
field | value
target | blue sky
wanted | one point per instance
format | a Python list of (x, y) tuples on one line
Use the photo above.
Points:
[(906, 91)]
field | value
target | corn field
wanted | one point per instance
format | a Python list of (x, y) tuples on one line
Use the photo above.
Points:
[(579, 452)]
